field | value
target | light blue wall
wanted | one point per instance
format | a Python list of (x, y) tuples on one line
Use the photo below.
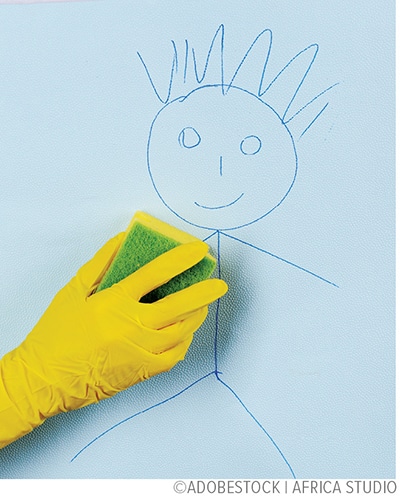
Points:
[(308, 365)]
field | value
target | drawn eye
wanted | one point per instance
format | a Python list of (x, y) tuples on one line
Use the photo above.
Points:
[(250, 145), (189, 137)]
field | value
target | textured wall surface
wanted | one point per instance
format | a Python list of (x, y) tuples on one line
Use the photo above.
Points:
[(305, 350)]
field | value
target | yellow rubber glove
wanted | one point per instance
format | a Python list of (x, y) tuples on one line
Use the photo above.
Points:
[(87, 347)]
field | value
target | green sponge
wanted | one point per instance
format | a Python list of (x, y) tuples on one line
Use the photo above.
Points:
[(146, 238)]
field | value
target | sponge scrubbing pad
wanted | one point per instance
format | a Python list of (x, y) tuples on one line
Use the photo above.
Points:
[(146, 238)]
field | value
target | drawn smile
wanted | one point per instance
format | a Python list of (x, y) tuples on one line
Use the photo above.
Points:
[(210, 207)]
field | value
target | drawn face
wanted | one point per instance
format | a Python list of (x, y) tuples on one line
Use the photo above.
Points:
[(220, 161)]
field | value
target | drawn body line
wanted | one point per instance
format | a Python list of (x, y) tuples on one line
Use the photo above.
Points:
[(186, 92), (216, 372)]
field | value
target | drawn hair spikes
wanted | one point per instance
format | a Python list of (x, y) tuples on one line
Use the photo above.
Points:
[(279, 93)]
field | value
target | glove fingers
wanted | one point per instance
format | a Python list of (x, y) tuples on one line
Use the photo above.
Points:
[(177, 306), (161, 269), (159, 341), (168, 359), (92, 272)]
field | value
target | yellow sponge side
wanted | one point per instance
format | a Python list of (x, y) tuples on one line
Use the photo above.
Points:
[(146, 238)]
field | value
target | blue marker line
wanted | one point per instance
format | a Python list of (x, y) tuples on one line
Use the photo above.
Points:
[(218, 306), (209, 236), (312, 122), (209, 207), (186, 60), (259, 425), (139, 413), (220, 30), (280, 259), (310, 102), (259, 36)]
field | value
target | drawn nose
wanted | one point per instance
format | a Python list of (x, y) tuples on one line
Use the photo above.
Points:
[(220, 165)]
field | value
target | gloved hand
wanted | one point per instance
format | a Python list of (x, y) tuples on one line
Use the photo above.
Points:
[(87, 347)]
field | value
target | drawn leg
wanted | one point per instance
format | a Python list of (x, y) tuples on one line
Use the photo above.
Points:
[(162, 402), (217, 372), (220, 380), (258, 423)]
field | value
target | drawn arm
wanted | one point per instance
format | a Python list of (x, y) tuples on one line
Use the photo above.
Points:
[(281, 259)]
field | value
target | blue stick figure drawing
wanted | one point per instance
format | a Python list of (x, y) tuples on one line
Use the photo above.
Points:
[(246, 173)]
